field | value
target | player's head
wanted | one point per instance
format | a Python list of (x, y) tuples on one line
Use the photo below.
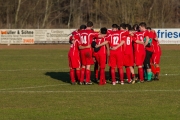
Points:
[(82, 27), (89, 24), (148, 28), (142, 26), (114, 27), (122, 26), (103, 30), (128, 27), (136, 27)]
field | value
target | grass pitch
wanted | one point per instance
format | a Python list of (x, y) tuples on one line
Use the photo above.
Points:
[(35, 85)]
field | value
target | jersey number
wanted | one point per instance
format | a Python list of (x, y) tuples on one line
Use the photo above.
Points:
[(128, 41), (115, 40), (83, 39)]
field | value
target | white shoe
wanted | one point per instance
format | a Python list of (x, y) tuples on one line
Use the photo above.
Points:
[(122, 82), (117, 82), (114, 83)]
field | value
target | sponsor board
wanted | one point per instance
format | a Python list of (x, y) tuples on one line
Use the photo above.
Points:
[(16, 36), (32, 36)]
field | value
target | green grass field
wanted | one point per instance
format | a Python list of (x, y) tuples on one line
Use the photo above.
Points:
[(35, 85)]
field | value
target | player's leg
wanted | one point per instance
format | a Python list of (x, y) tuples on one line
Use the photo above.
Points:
[(112, 65), (96, 71), (102, 64), (128, 74), (71, 71), (147, 65), (157, 67)]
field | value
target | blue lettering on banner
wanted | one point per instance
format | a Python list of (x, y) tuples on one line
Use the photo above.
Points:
[(167, 34)]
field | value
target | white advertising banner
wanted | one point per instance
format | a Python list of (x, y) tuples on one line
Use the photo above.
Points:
[(168, 36), (16, 36), (33, 36)]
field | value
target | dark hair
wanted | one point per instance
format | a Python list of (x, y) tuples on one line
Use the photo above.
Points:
[(114, 26), (103, 30), (123, 25), (148, 28), (128, 26), (89, 24), (142, 24), (136, 27), (82, 27)]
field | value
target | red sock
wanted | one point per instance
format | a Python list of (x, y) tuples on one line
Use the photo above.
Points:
[(140, 71), (102, 77), (153, 69), (132, 75), (82, 74), (96, 70), (157, 69), (72, 75), (113, 74), (88, 75), (128, 73), (78, 73), (121, 74)]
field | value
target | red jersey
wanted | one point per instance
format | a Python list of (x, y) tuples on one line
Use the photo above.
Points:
[(86, 37), (103, 48), (116, 37), (138, 47), (128, 47), (155, 44), (74, 48)]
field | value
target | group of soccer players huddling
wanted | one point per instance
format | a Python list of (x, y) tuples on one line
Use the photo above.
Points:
[(122, 47)]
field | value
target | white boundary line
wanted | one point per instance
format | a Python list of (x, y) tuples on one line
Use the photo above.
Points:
[(120, 91), (33, 87)]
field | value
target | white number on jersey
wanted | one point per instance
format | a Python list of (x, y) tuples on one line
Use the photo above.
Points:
[(128, 41), (83, 39), (115, 40)]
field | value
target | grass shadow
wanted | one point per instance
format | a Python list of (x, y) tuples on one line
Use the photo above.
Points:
[(61, 76)]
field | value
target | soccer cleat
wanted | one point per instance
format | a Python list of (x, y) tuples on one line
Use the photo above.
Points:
[(73, 83), (122, 82), (114, 83), (156, 77), (117, 82), (141, 81), (88, 83), (81, 83), (133, 80)]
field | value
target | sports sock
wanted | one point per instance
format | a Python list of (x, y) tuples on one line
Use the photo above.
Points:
[(88, 75), (82, 74), (140, 72), (102, 74), (149, 76), (113, 74), (72, 75), (96, 71), (128, 73), (153, 69), (78, 73), (132, 75), (145, 75), (121, 74), (157, 69)]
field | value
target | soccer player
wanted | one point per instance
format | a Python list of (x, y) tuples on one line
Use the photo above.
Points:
[(116, 52), (100, 55), (74, 57), (86, 37), (148, 50), (139, 53), (156, 55)]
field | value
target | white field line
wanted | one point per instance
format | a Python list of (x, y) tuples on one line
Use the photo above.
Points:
[(119, 91), (33, 87)]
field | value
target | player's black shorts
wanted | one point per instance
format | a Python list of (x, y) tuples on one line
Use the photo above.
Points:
[(147, 59)]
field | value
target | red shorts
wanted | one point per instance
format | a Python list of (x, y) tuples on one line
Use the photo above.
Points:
[(74, 61), (139, 58), (86, 57), (156, 58), (128, 60), (115, 59), (101, 59)]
